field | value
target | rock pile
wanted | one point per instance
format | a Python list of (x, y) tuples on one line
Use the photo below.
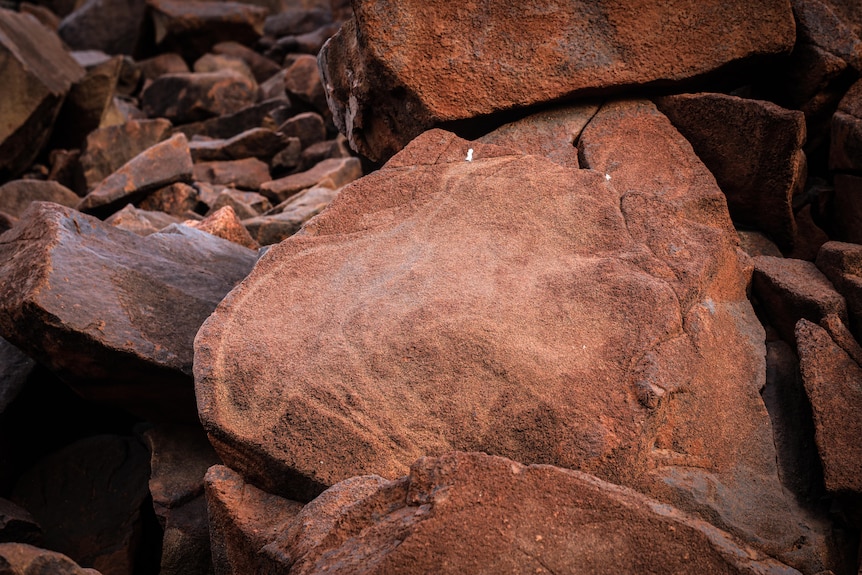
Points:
[(594, 306)]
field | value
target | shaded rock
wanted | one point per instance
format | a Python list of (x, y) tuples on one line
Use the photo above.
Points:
[(16, 195), (112, 313), (757, 244), (340, 171), (183, 98), (850, 12), (193, 27), (430, 521), (247, 174), (833, 381), (112, 26), (842, 264), (308, 43), (316, 153), (262, 67), (553, 133), (754, 150), (41, 13), (386, 82), (23, 559), (242, 520), (818, 24), (290, 158), (140, 222), (547, 327), (87, 497), (6, 221), (847, 208), (225, 224), (273, 87), (809, 236), (209, 63), (89, 105), (16, 525), (159, 165), (162, 64), (302, 82), (791, 289), (15, 368), (257, 143), (291, 215), (66, 170), (176, 199), (845, 149), (244, 204), (263, 115), (37, 74), (294, 21), (308, 127), (107, 149)]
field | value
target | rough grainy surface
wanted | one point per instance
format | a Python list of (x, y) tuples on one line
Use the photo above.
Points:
[(443, 304), (403, 66)]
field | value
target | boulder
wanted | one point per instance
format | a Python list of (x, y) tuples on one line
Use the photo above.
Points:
[(37, 73), (217, 62), (474, 513), (833, 382), (245, 174), (309, 127), (113, 313), (386, 81), (112, 26), (159, 165), (16, 195), (339, 171), (161, 64), (23, 559), (184, 98), (302, 82), (842, 264), (754, 150), (507, 304), (87, 497), (225, 224)]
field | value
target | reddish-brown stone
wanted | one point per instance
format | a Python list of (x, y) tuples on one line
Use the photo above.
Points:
[(16, 525), (244, 204), (246, 174), (15, 368), (845, 149), (107, 149), (286, 219), (262, 67), (302, 81), (23, 559), (141, 222), (183, 98), (176, 199), (401, 67), (257, 143), (16, 195), (339, 171), (112, 26), (847, 207), (224, 224), (842, 264), (308, 127)]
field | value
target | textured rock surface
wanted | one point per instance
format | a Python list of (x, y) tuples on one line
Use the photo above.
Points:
[(23, 559), (845, 151), (16, 195), (224, 224), (293, 213), (183, 98), (112, 26), (386, 80), (473, 513), (842, 263), (339, 171), (141, 222), (109, 310), (510, 305), (246, 174)]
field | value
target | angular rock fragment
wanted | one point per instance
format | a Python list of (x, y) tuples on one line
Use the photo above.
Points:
[(242, 520), (754, 150), (257, 143), (308, 127), (386, 81), (161, 64), (15, 367), (87, 497), (16, 195), (757, 244), (244, 204), (833, 382), (267, 114), (209, 63), (295, 21), (246, 174), (107, 149), (340, 171), (23, 559), (791, 289), (262, 67), (224, 224), (529, 519), (112, 26), (183, 98), (847, 208), (514, 306), (842, 264), (291, 215), (113, 313), (37, 73), (141, 222), (302, 81), (316, 153), (158, 166), (845, 149), (176, 200)]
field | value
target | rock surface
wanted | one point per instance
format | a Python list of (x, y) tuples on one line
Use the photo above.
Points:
[(842, 263), (23, 559), (16, 195)]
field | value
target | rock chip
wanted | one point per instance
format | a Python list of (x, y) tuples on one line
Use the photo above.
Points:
[(302, 82), (16, 195), (754, 150), (833, 381), (159, 165), (113, 313), (386, 81), (23, 559), (340, 171), (107, 149), (112, 26), (225, 224), (183, 98), (474, 513), (266, 114), (37, 73)]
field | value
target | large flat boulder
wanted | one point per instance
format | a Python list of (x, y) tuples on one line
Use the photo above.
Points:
[(386, 80), (113, 313), (592, 319)]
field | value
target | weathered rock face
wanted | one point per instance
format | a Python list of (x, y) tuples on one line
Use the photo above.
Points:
[(386, 80), (473, 513), (37, 75), (110, 311), (581, 318), (16, 195), (112, 26), (183, 98), (23, 559)]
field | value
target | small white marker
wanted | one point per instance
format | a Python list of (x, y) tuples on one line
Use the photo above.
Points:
[(608, 177), (470, 155)]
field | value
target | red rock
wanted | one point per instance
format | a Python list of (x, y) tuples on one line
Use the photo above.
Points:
[(107, 149), (262, 67), (523, 309), (87, 497), (809, 236), (552, 133), (244, 204), (842, 264), (291, 215), (23, 559), (246, 174), (112, 313), (224, 224), (833, 381), (243, 519), (325, 150), (847, 208), (757, 244), (257, 143), (387, 82), (16, 525), (820, 25), (789, 290), (340, 171), (162, 64), (290, 158), (15, 368), (112, 26), (176, 199), (302, 82), (141, 222), (193, 27), (473, 513), (850, 12), (183, 98), (209, 63), (845, 150), (16, 195), (37, 74), (264, 115), (308, 127), (160, 165), (754, 150)]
